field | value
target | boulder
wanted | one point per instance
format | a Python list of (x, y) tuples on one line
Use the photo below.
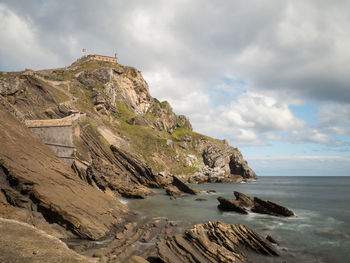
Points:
[(231, 205), (243, 199), (172, 190), (138, 120), (183, 187), (270, 208)]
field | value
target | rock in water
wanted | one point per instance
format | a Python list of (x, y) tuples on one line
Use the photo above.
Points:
[(270, 208), (213, 242), (243, 199), (178, 187), (231, 205)]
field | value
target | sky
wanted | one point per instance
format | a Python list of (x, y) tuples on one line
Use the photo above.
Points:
[(270, 76)]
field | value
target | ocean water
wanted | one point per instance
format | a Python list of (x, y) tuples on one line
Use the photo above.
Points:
[(320, 232)]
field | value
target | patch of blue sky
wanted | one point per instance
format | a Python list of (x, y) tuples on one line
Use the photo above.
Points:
[(233, 81), (307, 112), (279, 148), (226, 90)]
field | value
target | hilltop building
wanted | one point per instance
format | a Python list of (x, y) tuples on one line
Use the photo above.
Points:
[(104, 58)]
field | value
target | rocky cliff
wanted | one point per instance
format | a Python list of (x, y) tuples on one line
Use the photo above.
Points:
[(126, 144), (121, 113)]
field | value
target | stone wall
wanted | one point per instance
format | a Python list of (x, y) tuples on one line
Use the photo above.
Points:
[(57, 134), (59, 139)]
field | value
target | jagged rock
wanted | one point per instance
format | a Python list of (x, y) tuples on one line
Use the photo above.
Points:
[(271, 239), (177, 187), (231, 205), (138, 120), (200, 199), (213, 242), (142, 172), (172, 190), (35, 172), (183, 187), (270, 208), (14, 198), (227, 159), (166, 119), (211, 191), (243, 199)]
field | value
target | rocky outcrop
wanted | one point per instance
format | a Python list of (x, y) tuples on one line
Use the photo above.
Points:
[(117, 97), (177, 187), (257, 206), (229, 160), (165, 119), (243, 199), (110, 168), (120, 84), (34, 178), (270, 208), (213, 242), (231, 205)]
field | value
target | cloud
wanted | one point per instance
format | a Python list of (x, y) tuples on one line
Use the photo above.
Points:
[(234, 67), (19, 42)]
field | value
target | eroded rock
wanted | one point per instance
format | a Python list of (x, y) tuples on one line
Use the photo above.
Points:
[(231, 205), (270, 208), (213, 242)]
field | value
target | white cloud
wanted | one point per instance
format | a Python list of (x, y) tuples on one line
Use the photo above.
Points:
[(309, 135), (19, 42), (285, 52)]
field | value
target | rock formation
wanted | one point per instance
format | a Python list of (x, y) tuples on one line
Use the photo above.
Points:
[(257, 206), (270, 208), (231, 205), (243, 199), (120, 112), (213, 242)]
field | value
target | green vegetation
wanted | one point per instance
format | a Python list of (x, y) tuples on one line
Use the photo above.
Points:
[(84, 102), (123, 113)]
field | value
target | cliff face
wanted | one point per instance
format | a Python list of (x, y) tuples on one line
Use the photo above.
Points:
[(129, 141), (38, 188)]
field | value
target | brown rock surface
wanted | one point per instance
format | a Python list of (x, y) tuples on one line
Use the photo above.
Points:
[(243, 199), (22, 243), (213, 242), (178, 187), (270, 208), (231, 205), (33, 171)]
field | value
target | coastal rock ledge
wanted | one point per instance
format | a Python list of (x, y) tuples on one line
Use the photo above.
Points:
[(213, 242)]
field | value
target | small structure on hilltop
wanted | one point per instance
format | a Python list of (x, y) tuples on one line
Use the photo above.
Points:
[(57, 134), (104, 58)]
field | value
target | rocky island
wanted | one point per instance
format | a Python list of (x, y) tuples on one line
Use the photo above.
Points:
[(75, 139)]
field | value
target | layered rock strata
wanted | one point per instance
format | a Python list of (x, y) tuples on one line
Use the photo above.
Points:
[(37, 181), (257, 206)]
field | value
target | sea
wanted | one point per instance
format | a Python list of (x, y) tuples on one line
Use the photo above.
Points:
[(319, 233)]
